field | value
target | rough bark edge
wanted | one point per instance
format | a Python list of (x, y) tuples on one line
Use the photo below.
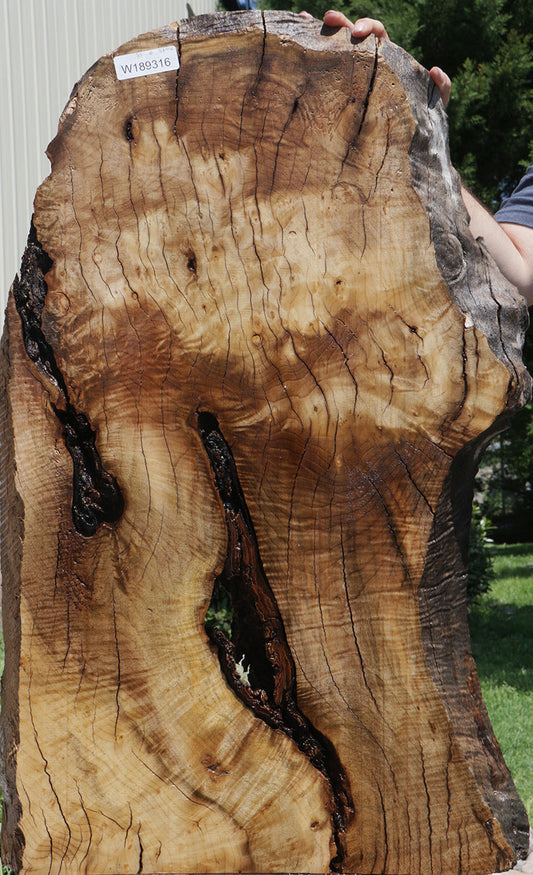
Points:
[(446, 641), (464, 263), (96, 495), (168, 31), (11, 540), (96, 499), (214, 24), (311, 36), (494, 307)]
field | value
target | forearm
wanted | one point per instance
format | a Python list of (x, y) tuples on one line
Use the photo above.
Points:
[(511, 246)]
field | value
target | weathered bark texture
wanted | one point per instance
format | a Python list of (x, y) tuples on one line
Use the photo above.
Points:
[(258, 351)]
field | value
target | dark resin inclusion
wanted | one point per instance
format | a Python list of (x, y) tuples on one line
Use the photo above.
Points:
[(96, 495), (256, 660)]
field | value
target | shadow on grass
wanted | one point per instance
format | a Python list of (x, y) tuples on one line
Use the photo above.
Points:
[(523, 571), (502, 643), (512, 549)]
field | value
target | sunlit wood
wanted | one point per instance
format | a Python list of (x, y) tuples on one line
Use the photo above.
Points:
[(256, 350)]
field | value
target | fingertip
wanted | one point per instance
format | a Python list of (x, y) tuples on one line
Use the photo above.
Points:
[(335, 18), (365, 26), (443, 83)]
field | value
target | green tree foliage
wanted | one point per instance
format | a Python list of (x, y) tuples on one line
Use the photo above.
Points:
[(506, 473), (480, 565), (486, 47)]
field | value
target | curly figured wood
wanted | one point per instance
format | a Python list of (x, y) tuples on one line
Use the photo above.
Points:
[(272, 240)]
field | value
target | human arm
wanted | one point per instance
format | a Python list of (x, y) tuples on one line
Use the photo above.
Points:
[(511, 245)]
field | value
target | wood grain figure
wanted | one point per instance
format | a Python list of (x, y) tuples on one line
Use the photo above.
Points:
[(252, 350)]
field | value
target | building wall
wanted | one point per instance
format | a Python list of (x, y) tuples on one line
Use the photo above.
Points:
[(46, 45)]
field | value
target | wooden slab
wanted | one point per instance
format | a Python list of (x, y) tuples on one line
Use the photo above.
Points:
[(252, 348)]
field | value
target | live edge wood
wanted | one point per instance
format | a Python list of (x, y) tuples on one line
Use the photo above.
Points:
[(252, 347)]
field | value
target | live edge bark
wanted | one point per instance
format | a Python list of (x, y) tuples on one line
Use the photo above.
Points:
[(252, 348)]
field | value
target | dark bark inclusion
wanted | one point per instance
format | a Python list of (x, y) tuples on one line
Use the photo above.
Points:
[(258, 640), (96, 494), (257, 643)]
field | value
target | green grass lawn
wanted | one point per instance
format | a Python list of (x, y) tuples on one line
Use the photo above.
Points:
[(501, 627)]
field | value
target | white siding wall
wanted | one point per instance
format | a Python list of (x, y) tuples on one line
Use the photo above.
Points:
[(45, 46)]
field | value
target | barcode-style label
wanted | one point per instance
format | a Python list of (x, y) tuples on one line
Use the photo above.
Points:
[(147, 63)]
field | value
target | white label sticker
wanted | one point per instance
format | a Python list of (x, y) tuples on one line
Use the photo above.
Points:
[(146, 63)]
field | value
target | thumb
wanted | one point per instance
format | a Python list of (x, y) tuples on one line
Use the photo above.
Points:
[(443, 83)]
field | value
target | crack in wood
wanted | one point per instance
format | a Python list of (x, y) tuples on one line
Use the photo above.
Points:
[(82, 805), (352, 144), (119, 679), (258, 642), (29, 293), (141, 852), (96, 497), (48, 774)]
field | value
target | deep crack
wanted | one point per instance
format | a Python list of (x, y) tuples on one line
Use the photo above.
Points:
[(97, 497), (258, 646)]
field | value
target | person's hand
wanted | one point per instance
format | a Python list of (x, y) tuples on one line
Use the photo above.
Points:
[(363, 27), (443, 83)]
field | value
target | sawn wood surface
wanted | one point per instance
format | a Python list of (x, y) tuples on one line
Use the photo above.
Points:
[(252, 347)]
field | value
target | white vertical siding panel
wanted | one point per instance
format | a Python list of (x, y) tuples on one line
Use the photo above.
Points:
[(46, 46), (7, 178), (14, 128)]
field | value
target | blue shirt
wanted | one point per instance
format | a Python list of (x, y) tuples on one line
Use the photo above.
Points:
[(518, 207)]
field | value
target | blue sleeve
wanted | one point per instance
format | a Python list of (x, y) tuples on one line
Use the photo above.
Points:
[(518, 207)]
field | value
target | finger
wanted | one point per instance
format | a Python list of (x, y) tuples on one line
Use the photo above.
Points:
[(333, 18), (365, 26), (305, 14), (362, 27), (443, 83)]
